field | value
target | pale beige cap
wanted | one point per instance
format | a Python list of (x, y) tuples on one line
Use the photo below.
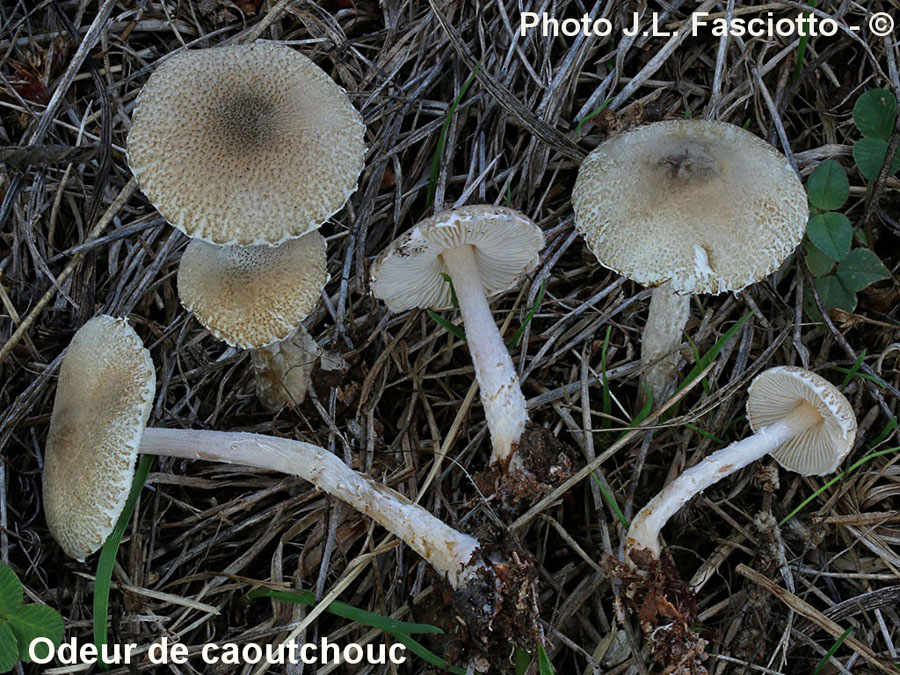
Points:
[(777, 392), (245, 144), (408, 273), (704, 205), (252, 296), (103, 401)]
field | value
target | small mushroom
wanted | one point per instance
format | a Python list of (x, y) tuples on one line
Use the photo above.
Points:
[(798, 417), (484, 249), (245, 144), (254, 297), (98, 426), (687, 207)]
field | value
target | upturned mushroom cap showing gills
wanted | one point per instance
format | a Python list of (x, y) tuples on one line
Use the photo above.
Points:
[(252, 296), (245, 144), (505, 244), (779, 392), (706, 206), (103, 400)]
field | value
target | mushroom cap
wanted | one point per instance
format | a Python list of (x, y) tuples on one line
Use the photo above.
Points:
[(103, 400), (252, 296), (408, 273), (245, 144), (705, 206), (775, 393)]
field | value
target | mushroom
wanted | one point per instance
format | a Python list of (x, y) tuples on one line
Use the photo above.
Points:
[(255, 297), (245, 144), (484, 249), (798, 417), (98, 425), (687, 206)]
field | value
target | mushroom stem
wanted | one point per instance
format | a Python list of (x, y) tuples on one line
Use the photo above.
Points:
[(668, 315), (450, 552), (501, 394), (646, 526)]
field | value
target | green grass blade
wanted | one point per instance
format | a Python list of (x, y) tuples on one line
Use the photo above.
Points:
[(697, 359), (606, 422), (453, 299), (863, 376), (801, 46), (713, 351), (705, 434), (108, 556), (832, 650), (342, 609), (610, 501), (836, 479), (442, 139), (591, 115), (645, 411), (426, 655), (853, 370), (451, 328), (544, 665), (528, 317), (523, 660)]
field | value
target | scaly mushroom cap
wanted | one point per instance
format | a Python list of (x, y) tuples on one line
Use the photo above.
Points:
[(704, 205), (777, 392), (246, 144), (252, 296), (103, 400), (408, 273)]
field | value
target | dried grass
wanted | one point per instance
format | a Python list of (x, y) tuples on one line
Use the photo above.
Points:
[(205, 533)]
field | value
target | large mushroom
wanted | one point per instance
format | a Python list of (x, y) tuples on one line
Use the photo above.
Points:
[(249, 145), (484, 250), (254, 297), (245, 144), (798, 417), (687, 207), (98, 426)]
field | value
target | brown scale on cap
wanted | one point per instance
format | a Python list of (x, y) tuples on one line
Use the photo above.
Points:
[(245, 144)]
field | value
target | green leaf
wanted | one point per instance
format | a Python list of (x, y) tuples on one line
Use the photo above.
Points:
[(713, 351), (545, 667), (35, 621), (834, 295), (875, 113), (10, 590), (610, 500), (426, 655), (831, 233), (854, 371), (451, 328), (523, 660), (818, 263), (528, 317), (869, 154), (9, 648), (832, 650), (442, 138), (591, 115), (108, 556), (861, 269), (853, 467), (828, 187), (342, 609), (453, 299)]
